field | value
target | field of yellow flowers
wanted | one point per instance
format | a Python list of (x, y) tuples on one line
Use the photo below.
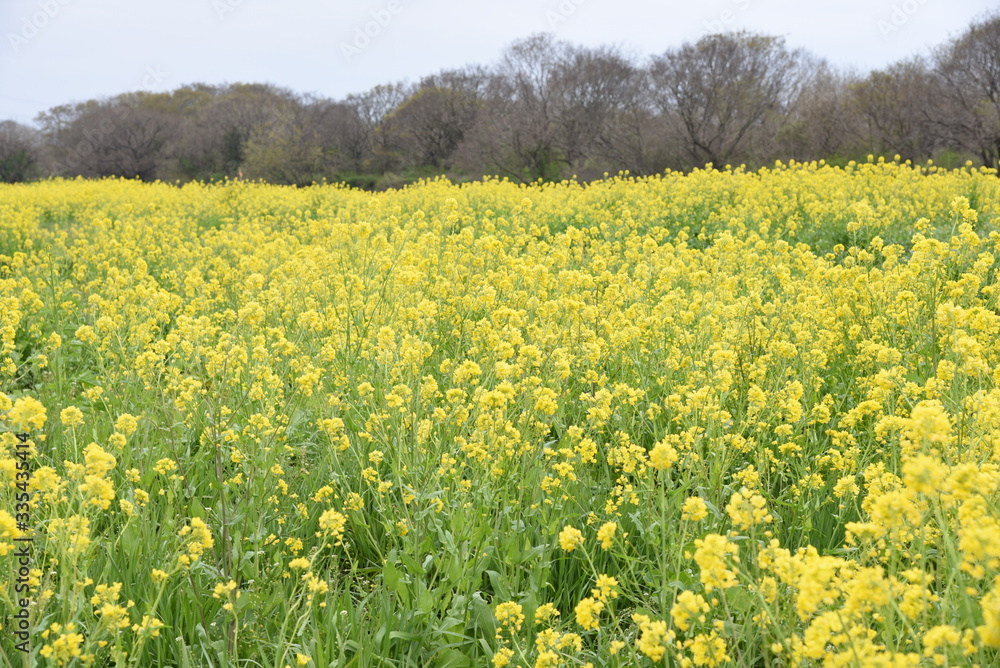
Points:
[(727, 418)]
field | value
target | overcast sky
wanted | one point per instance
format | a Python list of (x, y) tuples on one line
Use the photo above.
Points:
[(57, 51)]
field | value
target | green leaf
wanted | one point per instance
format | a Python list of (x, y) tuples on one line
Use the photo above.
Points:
[(452, 658), (390, 576), (482, 616)]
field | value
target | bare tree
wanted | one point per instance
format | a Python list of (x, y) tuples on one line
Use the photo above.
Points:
[(516, 133), (347, 136), (372, 108), (822, 123), (193, 152), (545, 110), (116, 137), (969, 70), (431, 123), (241, 111), (285, 150), (721, 89), (895, 107), (594, 91), (341, 134), (19, 152)]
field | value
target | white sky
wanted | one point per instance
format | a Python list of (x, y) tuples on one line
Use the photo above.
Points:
[(58, 51)]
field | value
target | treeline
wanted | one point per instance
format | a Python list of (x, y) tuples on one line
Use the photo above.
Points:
[(546, 110)]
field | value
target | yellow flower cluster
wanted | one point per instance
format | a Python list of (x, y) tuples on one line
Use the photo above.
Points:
[(197, 539)]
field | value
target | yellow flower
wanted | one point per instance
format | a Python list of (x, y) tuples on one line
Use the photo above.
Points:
[(846, 486), (165, 466), (72, 532), (354, 502), (510, 614), (711, 554), (113, 616), (65, 647), (223, 590), (924, 474), (502, 657), (545, 612), (929, 423), (8, 532), (940, 636), (92, 394), (709, 650), (605, 588), (198, 539), (322, 494), (653, 637), (148, 626), (27, 413), (588, 612), (71, 416), (97, 491), (126, 424), (748, 509), (689, 606), (663, 456), (989, 631), (46, 480), (332, 523), (570, 538), (97, 460), (694, 509), (606, 534), (86, 334)]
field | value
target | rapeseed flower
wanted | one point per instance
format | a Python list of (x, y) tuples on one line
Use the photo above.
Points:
[(510, 615), (690, 607), (588, 612), (570, 538), (71, 416), (64, 647), (26, 413), (654, 637), (332, 524), (606, 534), (529, 357), (8, 532), (748, 509), (712, 554), (694, 509)]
